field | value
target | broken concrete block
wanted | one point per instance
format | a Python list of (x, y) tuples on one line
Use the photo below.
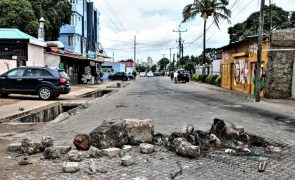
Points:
[(111, 152), (126, 148), (15, 147), (111, 133), (29, 146), (82, 142), (139, 131), (63, 149), (127, 160), (75, 155), (46, 141), (146, 148), (70, 167), (94, 152), (51, 153), (215, 140), (186, 149)]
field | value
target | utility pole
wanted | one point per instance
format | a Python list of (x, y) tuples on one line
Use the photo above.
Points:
[(113, 56), (134, 48), (180, 45), (259, 51)]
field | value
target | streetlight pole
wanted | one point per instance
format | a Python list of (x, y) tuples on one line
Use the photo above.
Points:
[(259, 51)]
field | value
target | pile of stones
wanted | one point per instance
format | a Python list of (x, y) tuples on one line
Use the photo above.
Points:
[(115, 137)]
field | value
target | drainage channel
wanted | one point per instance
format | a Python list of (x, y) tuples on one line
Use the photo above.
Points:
[(95, 94), (43, 114), (51, 112)]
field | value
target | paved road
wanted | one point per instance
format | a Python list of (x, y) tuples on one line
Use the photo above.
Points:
[(171, 106)]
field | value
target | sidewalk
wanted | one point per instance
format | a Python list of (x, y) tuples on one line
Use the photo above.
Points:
[(286, 106), (18, 105)]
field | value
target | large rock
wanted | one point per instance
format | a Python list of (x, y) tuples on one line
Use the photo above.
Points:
[(111, 133), (139, 131), (127, 160), (82, 142)]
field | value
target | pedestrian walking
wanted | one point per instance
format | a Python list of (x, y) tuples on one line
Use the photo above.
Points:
[(101, 76)]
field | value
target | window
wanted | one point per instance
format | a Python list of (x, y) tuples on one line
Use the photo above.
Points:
[(74, 19), (71, 41), (16, 73)]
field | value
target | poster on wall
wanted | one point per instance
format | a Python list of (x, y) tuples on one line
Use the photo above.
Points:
[(241, 72)]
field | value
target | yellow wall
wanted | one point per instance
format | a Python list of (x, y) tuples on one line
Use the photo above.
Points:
[(238, 61)]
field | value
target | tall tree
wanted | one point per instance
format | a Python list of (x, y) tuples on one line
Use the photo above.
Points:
[(55, 12), (18, 14), (163, 63), (250, 26), (206, 8)]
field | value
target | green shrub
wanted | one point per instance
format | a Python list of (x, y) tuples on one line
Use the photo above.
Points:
[(209, 78), (218, 81), (203, 77), (214, 78)]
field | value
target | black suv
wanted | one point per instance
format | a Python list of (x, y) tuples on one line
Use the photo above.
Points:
[(120, 76), (183, 75), (47, 83)]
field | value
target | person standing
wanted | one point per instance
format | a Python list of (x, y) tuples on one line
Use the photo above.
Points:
[(101, 76), (175, 76), (134, 74)]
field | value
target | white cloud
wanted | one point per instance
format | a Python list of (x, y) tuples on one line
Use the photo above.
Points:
[(153, 22)]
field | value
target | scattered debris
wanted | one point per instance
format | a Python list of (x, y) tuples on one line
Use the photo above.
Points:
[(24, 162), (229, 151), (21, 108), (158, 139), (111, 152), (75, 155), (94, 152), (174, 175), (91, 169), (29, 146), (70, 167), (46, 141), (126, 148), (186, 149), (14, 147), (102, 170), (82, 142), (127, 160), (51, 153), (262, 166), (63, 149), (146, 148)]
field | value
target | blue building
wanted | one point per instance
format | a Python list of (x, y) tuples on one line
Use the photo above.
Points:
[(81, 36)]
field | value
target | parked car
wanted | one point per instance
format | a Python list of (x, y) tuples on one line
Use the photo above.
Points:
[(150, 74), (47, 83), (157, 74), (182, 75), (142, 74), (118, 76)]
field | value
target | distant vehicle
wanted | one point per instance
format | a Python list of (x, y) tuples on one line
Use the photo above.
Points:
[(150, 74), (157, 74), (142, 74), (47, 83), (182, 75), (118, 76)]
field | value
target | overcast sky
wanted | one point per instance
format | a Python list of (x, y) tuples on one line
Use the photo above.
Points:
[(153, 22)]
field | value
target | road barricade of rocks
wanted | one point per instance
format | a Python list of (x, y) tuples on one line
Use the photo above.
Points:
[(116, 137)]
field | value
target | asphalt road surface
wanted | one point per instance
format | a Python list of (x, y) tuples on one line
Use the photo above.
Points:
[(171, 106)]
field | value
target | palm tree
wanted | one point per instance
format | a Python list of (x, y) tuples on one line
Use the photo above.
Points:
[(206, 8)]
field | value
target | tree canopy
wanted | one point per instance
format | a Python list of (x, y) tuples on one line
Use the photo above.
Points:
[(25, 14), (163, 63), (250, 25)]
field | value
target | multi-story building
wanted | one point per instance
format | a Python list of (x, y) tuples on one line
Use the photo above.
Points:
[(81, 36), (150, 61)]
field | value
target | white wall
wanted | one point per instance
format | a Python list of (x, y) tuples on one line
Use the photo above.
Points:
[(216, 67), (51, 60), (35, 56), (6, 65)]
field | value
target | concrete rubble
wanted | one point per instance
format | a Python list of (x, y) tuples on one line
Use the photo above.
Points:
[(112, 138)]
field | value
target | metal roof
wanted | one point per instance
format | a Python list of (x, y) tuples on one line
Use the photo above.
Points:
[(13, 33)]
